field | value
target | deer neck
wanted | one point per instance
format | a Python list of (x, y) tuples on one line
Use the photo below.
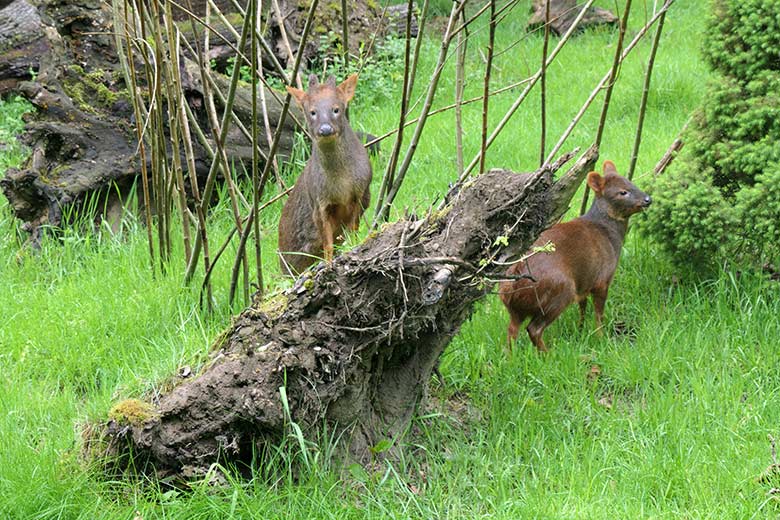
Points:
[(334, 156), (615, 228)]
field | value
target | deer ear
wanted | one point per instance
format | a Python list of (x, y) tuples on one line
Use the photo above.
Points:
[(298, 94), (347, 88), (609, 167), (596, 182), (331, 82), (313, 81)]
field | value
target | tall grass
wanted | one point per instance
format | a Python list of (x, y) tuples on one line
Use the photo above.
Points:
[(666, 417)]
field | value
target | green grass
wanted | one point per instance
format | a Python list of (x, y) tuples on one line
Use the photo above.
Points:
[(693, 384)]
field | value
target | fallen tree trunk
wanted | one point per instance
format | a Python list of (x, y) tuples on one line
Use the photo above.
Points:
[(353, 343), (564, 12)]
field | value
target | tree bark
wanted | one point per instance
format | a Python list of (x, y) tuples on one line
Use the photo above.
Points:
[(563, 13), (353, 342)]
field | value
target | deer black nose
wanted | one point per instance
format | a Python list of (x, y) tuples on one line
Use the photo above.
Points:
[(647, 200), (325, 130)]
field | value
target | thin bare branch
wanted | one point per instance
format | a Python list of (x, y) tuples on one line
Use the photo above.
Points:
[(608, 95), (543, 84), (388, 177), (512, 109), (486, 87), (460, 84), (645, 94)]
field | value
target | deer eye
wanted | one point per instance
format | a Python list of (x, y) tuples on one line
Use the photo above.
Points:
[(336, 110), (313, 113), (623, 193)]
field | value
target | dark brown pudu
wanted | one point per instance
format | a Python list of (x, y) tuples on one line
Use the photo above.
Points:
[(587, 250), (333, 190)]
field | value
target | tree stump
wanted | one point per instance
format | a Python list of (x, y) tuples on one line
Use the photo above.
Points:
[(563, 13), (353, 343)]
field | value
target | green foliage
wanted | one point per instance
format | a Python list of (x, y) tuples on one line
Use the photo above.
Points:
[(743, 38), (689, 217), (736, 135), (724, 178), (759, 207), (11, 151)]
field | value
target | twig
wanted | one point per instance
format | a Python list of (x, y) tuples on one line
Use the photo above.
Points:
[(256, 188), (608, 95), (445, 108), (133, 80), (512, 109), (486, 87), (207, 276), (388, 177), (283, 31), (417, 46), (460, 83), (345, 34), (222, 133), (668, 157), (383, 213), (543, 84), (645, 94)]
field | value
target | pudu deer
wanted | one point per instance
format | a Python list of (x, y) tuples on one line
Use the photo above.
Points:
[(587, 250), (333, 190)]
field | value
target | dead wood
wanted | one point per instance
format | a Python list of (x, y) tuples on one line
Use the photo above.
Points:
[(669, 156), (563, 14), (353, 342)]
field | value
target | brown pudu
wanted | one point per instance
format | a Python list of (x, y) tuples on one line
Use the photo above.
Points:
[(587, 250), (333, 190)]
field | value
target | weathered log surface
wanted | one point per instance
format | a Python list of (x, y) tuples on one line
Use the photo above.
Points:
[(563, 13), (353, 342)]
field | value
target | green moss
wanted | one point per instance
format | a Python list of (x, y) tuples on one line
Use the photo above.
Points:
[(131, 411), (440, 214), (82, 86), (75, 90), (274, 305)]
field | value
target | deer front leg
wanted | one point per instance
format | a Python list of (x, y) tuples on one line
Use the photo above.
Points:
[(327, 235), (354, 216)]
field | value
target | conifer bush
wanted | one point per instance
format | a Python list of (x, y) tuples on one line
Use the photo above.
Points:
[(722, 197)]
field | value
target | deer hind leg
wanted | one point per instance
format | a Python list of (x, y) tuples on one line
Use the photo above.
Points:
[(583, 307), (544, 318), (515, 320)]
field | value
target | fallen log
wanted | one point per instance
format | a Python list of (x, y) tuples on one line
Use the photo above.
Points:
[(352, 343), (564, 12)]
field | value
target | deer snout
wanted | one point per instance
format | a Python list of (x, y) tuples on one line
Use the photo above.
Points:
[(325, 130), (646, 201)]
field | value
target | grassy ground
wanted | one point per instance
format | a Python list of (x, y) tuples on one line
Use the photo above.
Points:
[(668, 417)]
